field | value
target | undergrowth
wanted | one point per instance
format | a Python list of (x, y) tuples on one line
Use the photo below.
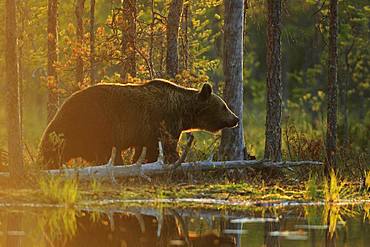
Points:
[(58, 189)]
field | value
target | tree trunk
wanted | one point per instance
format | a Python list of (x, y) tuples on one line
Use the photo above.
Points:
[(128, 39), (315, 53), (53, 99), (232, 140), (345, 84), (185, 24), (79, 11), (21, 9), (331, 133), (151, 42), (92, 43), (15, 150), (173, 22), (273, 85)]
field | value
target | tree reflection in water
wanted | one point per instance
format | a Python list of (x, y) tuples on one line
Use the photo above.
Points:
[(145, 226)]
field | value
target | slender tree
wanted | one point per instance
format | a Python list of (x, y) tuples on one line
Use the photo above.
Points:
[(331, 132), (128, 39), (346, 81), (92, 42), (173, 24), (232, 140), (151, 42), (79, 11), (273, 82), (15, 150), (21, 7), (185, 25), (53, 99)]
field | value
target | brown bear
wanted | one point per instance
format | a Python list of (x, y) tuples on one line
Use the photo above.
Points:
[(95, 119)]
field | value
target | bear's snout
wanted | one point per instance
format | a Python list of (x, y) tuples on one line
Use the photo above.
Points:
[(234, 122)]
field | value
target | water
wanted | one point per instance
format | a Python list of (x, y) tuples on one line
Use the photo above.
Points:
[(119, 225)]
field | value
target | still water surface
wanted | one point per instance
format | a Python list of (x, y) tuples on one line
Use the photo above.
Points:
[(150, 227)]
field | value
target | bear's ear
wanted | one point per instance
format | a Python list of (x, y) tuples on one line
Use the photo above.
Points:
[(205, 92)]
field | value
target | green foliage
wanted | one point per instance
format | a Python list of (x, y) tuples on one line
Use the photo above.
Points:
[(367, 180), (59, 189), (335, 189), (311, 185)]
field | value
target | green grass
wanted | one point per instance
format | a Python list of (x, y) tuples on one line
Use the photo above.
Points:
[(336, 189), (312, 188), (59, 190), (367, 180)]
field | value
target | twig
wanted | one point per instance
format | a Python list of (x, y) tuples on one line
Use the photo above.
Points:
[(317, 11), (142, 156), (29, 153), (110, 165), (140, 161), (160, 155)]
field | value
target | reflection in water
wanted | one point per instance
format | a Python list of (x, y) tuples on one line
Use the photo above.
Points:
[(142, 227), (270, 239), (14, 231)]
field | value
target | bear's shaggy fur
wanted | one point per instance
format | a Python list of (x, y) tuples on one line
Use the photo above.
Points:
[(100, 117)]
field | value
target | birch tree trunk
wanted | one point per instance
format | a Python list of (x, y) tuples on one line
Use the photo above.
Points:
[(79, 11), (53, 99), (92, 42), (331, 133), (15, 151), (173, 19), (273, 82), (232, 140), (128, 39)]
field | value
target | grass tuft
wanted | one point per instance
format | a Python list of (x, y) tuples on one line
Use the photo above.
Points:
[(59, 190), (311, 192)]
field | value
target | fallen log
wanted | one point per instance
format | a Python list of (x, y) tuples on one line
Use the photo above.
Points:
[(157, 168), (110, 171)]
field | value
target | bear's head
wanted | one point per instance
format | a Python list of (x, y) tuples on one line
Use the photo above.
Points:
[(212, 114)]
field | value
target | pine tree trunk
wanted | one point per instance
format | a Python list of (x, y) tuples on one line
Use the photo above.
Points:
[(15, 151), (172, 60), (345, 84), (274, 85), (53, 99), (128, 39), (21, 39), (232, 140), (151, 42), (332, 87), (315, 56), (92, 43), (185, 21), (79, 11)]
